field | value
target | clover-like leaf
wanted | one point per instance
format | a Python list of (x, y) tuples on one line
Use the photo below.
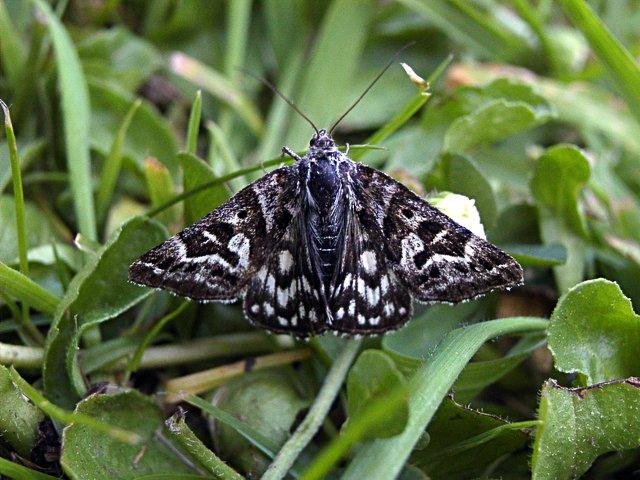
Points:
[(580, 424), (594, 331), (88, 454)]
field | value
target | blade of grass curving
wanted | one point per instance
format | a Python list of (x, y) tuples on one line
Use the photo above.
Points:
[(316, 415), (184, 436), (618, 60), (65, 416), (425, 390), (76, 115), (18, 195), (194, 124), (217, 85), (19, 472), (112, 164), (24, 289)]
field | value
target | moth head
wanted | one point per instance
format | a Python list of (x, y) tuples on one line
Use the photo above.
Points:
[(322, 141)]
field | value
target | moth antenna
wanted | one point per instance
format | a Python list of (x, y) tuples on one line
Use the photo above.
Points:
[(366, 90), (273, 88)]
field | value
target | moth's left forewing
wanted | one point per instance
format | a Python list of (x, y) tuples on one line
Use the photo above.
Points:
[(215, 257), (436, 258)]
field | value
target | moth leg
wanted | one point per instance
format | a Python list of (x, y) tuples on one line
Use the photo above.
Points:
[(291, 153)]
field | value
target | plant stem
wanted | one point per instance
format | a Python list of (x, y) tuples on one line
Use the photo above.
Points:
[(182, 434), (317, 413), (18, 195), (178, 388)]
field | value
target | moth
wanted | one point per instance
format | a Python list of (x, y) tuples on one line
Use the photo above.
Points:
[(326, 244)]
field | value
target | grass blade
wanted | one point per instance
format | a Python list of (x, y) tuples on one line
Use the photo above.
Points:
[(617, 59), (19, 472), (194, 124), (426, 389), (18, 195), (184, 436), (64, 416), (112, 164), (317, 413), (76, 115), (26, 290)]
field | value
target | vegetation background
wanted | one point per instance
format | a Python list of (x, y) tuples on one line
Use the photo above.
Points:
[(128, 120)]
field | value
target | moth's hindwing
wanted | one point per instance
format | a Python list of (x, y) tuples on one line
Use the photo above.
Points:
[(282, 296), (436, 258), (367, 296), (215, 257)]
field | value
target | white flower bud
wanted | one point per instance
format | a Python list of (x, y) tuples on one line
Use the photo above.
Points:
[(461, 209)]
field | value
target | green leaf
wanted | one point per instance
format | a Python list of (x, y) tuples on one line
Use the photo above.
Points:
[(427, 388), (76, 115), (87, 453), (463, 177), (413, 344), (100, 291), (478, 375), (492, 121), (594, 331), (449, 455), (196, 172), (371, 375), (148, 134), (117, 56), (12, 50), (266, 401), (621, 64), (580, 424), (537, 255), (337, 50), (18, 418), (560, 175)]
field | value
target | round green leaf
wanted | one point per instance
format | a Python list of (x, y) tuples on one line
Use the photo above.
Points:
[(91, 455), (594, 331)]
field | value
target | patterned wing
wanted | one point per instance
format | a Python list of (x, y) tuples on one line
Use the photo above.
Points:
[(283, 297), (215, 257), (367, 297), (437, 259)]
